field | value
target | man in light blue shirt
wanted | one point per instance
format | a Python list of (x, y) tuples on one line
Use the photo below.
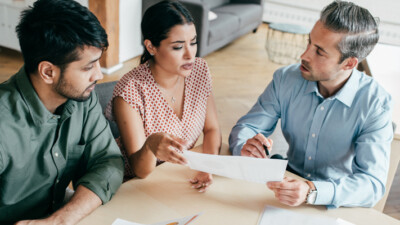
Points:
[(336, 120)]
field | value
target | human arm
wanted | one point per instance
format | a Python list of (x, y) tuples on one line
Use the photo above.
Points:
[(100, 167), (261, 119), (368, 163), (365, 186), (211, 144), (143, 152), (82, 203)]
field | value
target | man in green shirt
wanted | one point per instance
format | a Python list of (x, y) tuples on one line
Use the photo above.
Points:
[(52, 130)]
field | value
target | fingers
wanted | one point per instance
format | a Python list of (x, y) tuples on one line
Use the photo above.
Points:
[(201, 181), (263, 140), (174, 156), (254, 147), (290, 191), (182, 142), (167, 147)]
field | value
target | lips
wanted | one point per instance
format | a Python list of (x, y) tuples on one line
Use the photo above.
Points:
[(303, 67), (91, 88), (187, 66)]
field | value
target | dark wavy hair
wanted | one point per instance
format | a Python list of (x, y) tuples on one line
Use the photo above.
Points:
[(158, 20), (360, 26), (55, 31)]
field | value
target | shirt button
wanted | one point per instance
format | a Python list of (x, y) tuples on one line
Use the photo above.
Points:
[(313, 135), (308, 175), (322, 108), (309, 158), (56, 154), (57, 181)]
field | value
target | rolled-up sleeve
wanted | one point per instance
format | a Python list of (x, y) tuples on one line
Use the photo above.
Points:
[(102, 159)]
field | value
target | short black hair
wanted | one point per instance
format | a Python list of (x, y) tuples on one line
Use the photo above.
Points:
[(158, 20), (55, 31)]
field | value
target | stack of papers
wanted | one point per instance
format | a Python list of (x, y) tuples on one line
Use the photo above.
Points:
[(277, 216), (181, 221)]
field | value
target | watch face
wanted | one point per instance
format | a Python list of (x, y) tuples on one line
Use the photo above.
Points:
[(312, 197)]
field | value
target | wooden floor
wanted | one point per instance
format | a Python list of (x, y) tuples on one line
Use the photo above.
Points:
[(240, 72)]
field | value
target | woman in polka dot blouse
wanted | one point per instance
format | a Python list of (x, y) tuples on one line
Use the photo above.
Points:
[(165, 104)]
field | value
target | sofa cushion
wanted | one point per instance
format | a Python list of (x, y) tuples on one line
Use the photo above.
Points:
[(104, 92), (224, 25), (247, 13), (215, 3)]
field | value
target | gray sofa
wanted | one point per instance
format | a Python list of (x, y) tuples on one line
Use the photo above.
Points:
[(104, 92), (234, 19)]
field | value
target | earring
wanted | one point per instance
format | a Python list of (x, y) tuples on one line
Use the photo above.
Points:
[(152, 54)]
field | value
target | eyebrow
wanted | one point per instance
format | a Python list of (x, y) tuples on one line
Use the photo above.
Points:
[(319, 47), (93, 61), (183, 41)]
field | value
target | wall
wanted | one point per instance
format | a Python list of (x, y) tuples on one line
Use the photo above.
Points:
[(130, 16), (306, 13)]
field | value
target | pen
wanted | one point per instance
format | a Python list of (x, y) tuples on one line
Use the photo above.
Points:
[(275, 156), (266, 151)]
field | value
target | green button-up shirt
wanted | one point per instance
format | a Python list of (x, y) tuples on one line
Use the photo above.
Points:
[(41, 153)]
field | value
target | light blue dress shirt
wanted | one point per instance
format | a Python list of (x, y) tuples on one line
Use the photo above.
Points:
[(341, 143)]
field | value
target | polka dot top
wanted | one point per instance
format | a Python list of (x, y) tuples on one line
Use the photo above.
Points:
[(139, 89)]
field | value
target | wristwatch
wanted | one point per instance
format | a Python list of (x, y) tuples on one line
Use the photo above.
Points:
[(312, 193)]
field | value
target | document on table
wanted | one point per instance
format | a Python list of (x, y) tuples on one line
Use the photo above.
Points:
[(277, 216), (238, 167), (181, 221)]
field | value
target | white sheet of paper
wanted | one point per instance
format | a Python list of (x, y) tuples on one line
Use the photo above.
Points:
[(180, 221), (119, 221), (277, 216), (238, 167)]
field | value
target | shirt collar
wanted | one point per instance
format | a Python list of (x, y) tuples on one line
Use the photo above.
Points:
[(346, 94), (37, 110)]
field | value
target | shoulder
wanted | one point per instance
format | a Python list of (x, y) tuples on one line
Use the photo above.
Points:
[(372, 93), (9, 95), (135, 79), (200, 67), (291, 72), (200, 70), (200, 62), (288, 78)]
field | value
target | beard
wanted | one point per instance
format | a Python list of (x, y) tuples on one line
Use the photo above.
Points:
[(68, 91)]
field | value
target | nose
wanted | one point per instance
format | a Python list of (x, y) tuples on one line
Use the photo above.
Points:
[(97, 74), (190, 51), (304, 56)]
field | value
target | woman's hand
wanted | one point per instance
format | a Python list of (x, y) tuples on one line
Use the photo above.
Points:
[(201, 181), (167, 147)]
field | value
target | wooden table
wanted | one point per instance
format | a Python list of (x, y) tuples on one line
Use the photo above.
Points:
[(166, 194)]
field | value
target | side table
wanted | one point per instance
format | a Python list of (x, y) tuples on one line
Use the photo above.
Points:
[(286, 42)]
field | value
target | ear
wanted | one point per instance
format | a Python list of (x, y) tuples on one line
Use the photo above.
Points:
[(350, 63), (48, 72), (150, 47)]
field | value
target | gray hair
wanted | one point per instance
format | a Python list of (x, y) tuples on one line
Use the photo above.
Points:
[(360, 26)]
